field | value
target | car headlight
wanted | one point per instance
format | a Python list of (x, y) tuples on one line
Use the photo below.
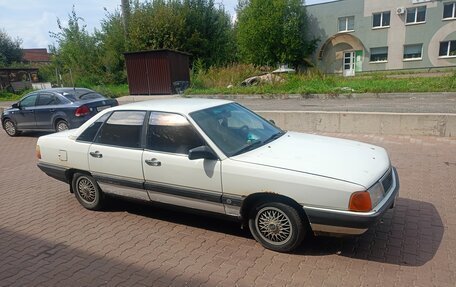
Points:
[(376, 193)]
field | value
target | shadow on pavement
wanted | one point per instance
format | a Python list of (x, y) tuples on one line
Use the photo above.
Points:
[(212, 222), (30, 261), (33, 134), (408, 235)]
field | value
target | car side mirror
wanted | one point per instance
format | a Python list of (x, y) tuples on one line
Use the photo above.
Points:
[(201, 152), (15, 106), (272, 122)]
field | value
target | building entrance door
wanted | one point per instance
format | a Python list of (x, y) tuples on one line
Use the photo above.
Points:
[(349, 63)]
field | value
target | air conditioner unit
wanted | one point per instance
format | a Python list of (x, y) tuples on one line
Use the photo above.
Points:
[(400, 10)]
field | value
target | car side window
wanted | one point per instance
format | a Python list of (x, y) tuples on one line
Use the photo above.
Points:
[(123, 128), (48, 100), (89, 133), (171, 133), (28, 101)]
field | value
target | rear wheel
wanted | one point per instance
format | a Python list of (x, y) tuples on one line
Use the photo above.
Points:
[(10, 128), (277, 226), (87, 191), (61, 126)]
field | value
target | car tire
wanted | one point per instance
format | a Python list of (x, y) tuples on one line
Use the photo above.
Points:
[(87, 191), (61, 126), (277, 226), (10, 128)]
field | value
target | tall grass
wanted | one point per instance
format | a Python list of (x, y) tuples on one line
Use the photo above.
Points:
[(216, 81)]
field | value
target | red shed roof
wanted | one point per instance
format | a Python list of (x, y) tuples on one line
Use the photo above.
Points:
[(36, 55)]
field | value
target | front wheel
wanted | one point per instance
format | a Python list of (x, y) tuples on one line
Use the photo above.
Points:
[(10, 128), (277, 226), (87, 191)]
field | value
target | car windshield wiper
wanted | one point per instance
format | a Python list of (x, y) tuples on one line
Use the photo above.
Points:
[(274, 137), (257, 143), (252, 145)]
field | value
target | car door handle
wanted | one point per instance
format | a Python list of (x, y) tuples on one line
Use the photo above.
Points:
[(52, 110), (96, 154), (153, 162)]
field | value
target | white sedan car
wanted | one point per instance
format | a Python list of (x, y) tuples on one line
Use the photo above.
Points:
[(219, 157)]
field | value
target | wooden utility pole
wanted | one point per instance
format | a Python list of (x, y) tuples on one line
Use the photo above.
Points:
[(126, 16)]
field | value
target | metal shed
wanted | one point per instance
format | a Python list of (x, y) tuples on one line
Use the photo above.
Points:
[(157, 72)]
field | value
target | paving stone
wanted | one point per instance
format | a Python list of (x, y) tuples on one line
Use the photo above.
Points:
[(48, 239)]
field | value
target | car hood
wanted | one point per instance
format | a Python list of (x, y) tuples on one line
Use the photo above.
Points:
[(345, 160)]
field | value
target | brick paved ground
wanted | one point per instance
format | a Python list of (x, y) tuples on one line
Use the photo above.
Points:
[(48, 239)]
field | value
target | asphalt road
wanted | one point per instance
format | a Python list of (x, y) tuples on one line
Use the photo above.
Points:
[(412, 104), (385, 103)]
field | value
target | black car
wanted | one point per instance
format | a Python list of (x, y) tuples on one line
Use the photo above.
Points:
[(55, 109)]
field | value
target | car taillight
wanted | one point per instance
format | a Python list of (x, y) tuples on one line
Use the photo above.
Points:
[(82, 111), (38, 152), (360, 201)]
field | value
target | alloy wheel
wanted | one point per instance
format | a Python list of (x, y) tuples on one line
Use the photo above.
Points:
[(273, 225)]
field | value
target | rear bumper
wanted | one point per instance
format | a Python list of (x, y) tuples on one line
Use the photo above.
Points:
[(57, 172), (347, 222)]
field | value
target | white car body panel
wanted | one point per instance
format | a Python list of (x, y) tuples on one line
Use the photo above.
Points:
[(318, 173), (323, 156), (117, 161), (53, 145), (176, 170), (243, 179)]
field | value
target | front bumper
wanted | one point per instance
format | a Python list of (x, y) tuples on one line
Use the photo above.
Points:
[(348, 222)]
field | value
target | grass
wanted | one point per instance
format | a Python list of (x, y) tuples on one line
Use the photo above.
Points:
[(112, 91), (317, 83), (7, 96), (215, 81)]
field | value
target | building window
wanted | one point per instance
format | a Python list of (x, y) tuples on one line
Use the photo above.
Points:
[(449, 11), (447, 49), (379, 54), (381, 20), (413, 52), (416, 15), (347, 24)]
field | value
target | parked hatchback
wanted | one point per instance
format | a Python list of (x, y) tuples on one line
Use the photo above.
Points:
[(219, 157), (54, 109)]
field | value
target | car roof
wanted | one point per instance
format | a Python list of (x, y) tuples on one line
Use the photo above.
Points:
[(65, 90), (175, 105)]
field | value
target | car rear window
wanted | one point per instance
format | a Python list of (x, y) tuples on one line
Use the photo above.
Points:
[(70, 97), (90, 96)]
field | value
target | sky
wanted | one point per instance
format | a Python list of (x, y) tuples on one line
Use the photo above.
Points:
[(32, 20)]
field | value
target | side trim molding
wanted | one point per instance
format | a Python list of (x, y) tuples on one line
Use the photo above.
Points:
[(200, 194), (117, 180)]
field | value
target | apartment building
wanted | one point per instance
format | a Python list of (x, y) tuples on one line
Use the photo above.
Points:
[(378, 35)]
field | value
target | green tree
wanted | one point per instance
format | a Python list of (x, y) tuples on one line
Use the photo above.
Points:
[(10, 49), (112, 45), (194, 26), (156, 25), (273, 31), (209, 32), (77, 51)]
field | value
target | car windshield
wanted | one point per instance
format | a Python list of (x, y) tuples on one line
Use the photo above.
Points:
[(235, 129)]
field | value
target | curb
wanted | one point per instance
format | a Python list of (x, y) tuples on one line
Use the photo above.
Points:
[(341, 95), (410, 124)]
